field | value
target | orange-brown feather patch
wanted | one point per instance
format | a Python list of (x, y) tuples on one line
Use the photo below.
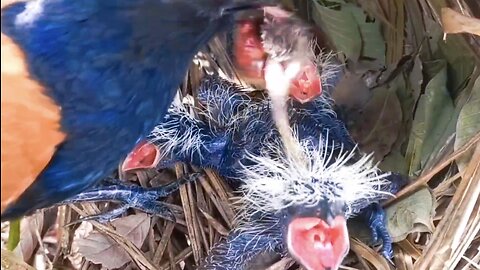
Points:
[(8, 2), (29, 122)]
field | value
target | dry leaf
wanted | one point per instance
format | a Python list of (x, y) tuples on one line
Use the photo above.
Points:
[(369, 254), (29, 227), (82, 231), (454, 22), (101, 249), (412, 214)]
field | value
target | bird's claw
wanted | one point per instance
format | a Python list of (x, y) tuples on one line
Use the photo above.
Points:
[(377, 224), (389, 259), (131, 196)]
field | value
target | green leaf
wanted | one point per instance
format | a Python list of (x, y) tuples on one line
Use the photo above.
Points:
[(412, 214), (394, 162), (439, 115), (414, 150), (341, 27), (432, 119), (408, 92), (337, 1), (468, 124), (373, 44), (416, 79), (377, 127), (460, 62), (13, 235), (351, 32), (434, 34)]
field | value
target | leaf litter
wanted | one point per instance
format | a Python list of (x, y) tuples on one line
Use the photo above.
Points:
[(415, 94)]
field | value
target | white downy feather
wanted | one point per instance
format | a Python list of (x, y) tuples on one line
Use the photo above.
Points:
[(276, 182)]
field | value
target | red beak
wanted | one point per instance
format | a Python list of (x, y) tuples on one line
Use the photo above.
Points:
[(316, 244), (307, 85), (145, 155)]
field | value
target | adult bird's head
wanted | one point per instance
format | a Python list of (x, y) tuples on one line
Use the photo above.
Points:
[(311, 202)]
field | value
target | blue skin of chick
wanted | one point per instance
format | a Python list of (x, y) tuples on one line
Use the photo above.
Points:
[(223, 148)]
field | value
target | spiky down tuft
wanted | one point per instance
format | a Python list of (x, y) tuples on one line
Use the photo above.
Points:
[(276, 182), (328, 67), (223, 102), (174, 131)]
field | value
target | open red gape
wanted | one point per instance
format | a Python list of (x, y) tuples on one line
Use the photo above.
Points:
[(145, 155), (307, 84), (316, 244), (250, 60), (248, 49)]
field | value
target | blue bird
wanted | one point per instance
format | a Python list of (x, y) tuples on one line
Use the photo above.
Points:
[(84, 81)]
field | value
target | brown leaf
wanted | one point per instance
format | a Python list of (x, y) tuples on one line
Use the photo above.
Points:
[(30, 227), (454, 22), (368, 254), (100, 249)]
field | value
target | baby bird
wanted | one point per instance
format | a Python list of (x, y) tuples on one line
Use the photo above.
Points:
[(286, 207)]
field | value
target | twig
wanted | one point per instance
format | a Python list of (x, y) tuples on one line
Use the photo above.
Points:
[(459, 225), (162, 245), (425, 178), (179, 258), (135, 253), (190, 216)]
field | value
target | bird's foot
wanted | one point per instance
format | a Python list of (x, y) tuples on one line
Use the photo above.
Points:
[(377, 223), (131, 196)]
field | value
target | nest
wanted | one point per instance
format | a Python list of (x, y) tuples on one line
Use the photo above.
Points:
[(205, 214)]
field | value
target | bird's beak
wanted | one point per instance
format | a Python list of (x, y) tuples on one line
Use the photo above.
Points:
[(316, 244), (304, 83), (307, 85), (145, 155)]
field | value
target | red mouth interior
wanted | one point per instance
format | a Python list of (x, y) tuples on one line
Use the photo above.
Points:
[(248, 50), (316, 244), (145, 155), (307, 85)]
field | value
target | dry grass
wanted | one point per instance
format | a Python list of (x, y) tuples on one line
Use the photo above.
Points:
[(205, 212)]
